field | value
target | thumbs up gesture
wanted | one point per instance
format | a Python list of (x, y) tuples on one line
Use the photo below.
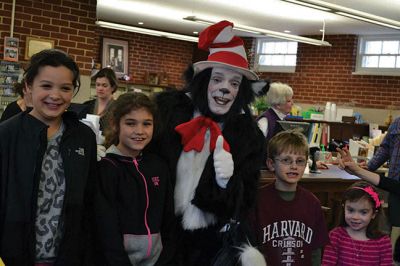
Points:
[(223, 163)]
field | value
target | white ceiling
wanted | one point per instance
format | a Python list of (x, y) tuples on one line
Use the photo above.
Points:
[(275, 15)]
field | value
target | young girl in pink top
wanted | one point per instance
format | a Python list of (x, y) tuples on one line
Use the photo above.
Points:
[(358, 241)]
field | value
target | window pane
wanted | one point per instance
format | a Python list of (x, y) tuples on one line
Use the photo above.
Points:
[(262, 47), (268, 47), (292, 47), (281, 48), (276, 55), (379, 55), (390, 47), (373, 47), (266, 60), (278, 60), (290, 60), (262, 60), (370, 61), (387, 61)]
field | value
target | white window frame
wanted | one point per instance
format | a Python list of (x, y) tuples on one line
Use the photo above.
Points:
[(265, 68), (360, 70)]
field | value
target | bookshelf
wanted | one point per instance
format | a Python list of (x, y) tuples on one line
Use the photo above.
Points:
[(337, 130), (10, 73)]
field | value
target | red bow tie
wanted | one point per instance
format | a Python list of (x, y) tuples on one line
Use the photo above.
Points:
[(193, 133)]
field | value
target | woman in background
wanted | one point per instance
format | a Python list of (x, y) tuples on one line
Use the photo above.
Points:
[(106, 84), (280, 99), (20, 105)]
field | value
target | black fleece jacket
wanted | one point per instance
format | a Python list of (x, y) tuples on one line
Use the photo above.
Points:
[(23, 140), (128, 203)]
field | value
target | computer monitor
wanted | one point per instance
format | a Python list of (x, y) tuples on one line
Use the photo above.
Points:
[(304, 127)]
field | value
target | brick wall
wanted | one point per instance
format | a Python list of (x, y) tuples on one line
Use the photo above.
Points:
[(152, 54), (324, 74), (71, 24)]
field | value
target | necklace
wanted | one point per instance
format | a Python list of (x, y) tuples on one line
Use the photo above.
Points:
[(357, 241), (356, 249)]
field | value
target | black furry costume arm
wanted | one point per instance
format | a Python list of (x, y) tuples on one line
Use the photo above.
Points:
[(173, 108)]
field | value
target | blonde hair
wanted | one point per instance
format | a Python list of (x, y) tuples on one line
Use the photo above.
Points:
[(278, 93), (288, 141)]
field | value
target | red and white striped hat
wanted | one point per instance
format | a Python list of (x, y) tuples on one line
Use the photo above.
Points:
[(226, 50)]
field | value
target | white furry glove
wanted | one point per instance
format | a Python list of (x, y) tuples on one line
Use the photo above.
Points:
[(101, 151), (223, 163), (250, 256)]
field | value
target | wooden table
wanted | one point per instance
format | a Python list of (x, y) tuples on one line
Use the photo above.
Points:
[(327, 186)]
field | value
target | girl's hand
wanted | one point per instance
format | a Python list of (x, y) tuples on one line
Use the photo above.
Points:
[(363, 165), (346, 162), (322, 165)]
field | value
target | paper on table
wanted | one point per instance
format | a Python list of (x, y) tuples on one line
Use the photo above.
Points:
[(332, 172), (93, 121)]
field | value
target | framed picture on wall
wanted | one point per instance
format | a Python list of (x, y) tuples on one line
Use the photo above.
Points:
[(11, 49), (152, 78), (115, 56), (35, 45)]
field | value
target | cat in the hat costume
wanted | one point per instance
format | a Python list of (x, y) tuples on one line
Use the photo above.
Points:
[(212, 144)]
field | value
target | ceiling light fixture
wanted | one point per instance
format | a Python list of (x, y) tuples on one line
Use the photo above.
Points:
[(299, 2), (348, 12), (264, 32), (116, 26)]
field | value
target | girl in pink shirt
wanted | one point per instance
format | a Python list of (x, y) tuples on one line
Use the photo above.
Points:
[(358, 241)]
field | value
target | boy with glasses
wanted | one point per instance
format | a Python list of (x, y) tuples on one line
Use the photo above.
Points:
[(287, 220)]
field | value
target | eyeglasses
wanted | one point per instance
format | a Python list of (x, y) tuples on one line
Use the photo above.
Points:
[(289, 161)]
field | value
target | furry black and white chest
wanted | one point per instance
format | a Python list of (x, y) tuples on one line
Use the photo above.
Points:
[(198, 198)]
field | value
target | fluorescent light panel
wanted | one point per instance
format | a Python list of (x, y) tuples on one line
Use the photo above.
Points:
[(348, 12), (308, 5), (116, 26), (367, 20), (264, 32)]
